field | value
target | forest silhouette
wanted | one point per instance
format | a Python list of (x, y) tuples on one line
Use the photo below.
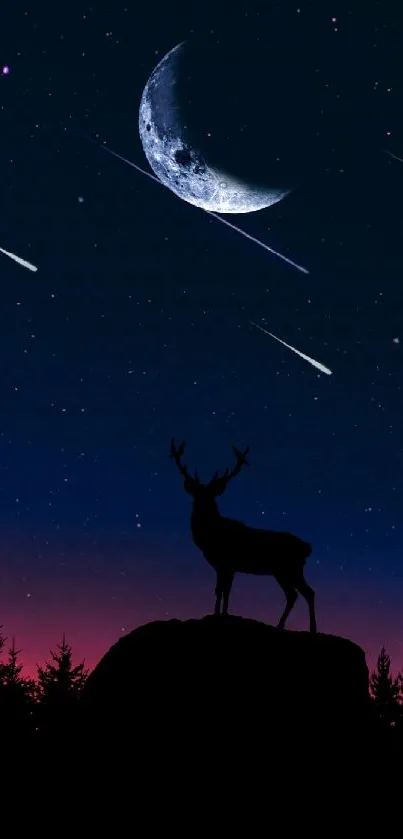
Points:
[(164, 677), (222, 690)]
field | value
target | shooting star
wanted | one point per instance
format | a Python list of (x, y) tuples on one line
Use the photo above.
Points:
[(312, 361), (20, 261), (217, 217), (395, 157)]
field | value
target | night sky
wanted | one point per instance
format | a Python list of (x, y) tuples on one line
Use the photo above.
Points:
[(136, 328)]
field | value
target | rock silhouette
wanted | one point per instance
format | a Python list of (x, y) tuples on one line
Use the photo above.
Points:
[(219, 684)]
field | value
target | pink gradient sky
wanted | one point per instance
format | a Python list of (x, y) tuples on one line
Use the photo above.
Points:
[(93, 614)]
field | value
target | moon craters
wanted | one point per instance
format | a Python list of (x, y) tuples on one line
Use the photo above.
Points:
[(178, 165)]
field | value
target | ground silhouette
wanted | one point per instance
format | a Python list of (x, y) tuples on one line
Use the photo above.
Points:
[(224, 685)]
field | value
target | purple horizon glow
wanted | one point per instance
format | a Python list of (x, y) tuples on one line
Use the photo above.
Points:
[(95, 611)]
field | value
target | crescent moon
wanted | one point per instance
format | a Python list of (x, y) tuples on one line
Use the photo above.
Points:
[(180, 167)]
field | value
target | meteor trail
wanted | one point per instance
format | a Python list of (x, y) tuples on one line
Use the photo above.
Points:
[(20, 261), (222, 220), (312, 361), (258, 242), (395, 157), (125, 160)]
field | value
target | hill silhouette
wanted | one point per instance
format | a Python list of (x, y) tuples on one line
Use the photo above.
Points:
[(225, 684)]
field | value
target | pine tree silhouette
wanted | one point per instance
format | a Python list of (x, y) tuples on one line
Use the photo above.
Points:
[(60, 682), (11, 674), (385, 692), (2, 643), (17, 697), (59, 687)]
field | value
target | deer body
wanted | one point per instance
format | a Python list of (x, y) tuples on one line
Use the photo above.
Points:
[(231, 547), (249, 550)]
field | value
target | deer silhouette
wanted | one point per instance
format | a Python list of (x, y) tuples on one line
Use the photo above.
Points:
[(231, 547)]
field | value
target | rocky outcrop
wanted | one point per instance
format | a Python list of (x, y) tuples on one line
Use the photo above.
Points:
[(213, 685)]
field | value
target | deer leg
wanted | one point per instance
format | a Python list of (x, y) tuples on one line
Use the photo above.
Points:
[(227, 586), (309, 595), (218, 594), (291, 596)]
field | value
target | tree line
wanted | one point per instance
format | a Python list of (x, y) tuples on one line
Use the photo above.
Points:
[(33, 708), (386, 693)]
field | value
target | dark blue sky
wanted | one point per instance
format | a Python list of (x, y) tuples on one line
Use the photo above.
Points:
[(135, 327)]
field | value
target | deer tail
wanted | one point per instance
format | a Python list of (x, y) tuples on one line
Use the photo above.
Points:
[(307, 551)]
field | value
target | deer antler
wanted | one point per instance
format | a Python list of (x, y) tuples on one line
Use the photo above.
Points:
[(231, 473), (177, 454)]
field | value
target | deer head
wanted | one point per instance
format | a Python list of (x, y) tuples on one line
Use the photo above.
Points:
[(218, 483)]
